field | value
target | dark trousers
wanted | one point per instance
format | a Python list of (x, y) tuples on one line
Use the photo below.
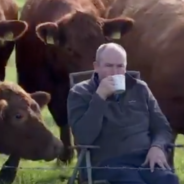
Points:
[(132, 176)]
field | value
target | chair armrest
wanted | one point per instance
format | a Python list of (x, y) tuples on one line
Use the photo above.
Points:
[(170, 146), (84, 147)]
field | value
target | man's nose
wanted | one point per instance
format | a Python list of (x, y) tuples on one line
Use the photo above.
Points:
[(114, 70)]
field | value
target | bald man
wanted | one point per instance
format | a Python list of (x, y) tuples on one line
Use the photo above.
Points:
[(130, 128)]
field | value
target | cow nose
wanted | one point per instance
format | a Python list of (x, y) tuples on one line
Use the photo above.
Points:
[(53, 152), (58, 147), (57, 150)]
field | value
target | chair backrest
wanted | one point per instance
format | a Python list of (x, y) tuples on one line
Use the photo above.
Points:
[(85, 75), (80, 76)]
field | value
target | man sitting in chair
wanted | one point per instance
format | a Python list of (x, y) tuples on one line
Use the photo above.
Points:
[(129, 128)]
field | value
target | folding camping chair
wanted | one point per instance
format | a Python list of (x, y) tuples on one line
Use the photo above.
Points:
[(84, 150)]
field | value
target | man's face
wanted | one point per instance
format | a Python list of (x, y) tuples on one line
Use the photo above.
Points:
[(110, 64)]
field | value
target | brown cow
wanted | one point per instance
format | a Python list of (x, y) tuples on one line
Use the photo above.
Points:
[(22, 131), (76, 30), (11, 29), (155, 48)]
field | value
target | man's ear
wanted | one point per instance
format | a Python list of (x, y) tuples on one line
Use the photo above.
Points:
[(117, 27), (3, 106), (47, 32), (11, 30), (41, 97), (95, 66)]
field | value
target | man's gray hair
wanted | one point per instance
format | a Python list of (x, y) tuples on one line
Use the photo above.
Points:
[(103, 47)]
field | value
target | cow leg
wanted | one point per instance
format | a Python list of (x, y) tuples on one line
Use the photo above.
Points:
[(9, 170), (5, 52), (58, 109)]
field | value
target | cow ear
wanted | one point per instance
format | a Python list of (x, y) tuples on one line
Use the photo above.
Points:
[(11, 30), (3, 106), (117, 27), (47, 32), (41, 97)]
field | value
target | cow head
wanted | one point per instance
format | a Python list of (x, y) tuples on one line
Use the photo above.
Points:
[(11, 30), (79, 34), (22, 130)]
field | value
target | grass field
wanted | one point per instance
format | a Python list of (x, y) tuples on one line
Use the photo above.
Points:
[(51, 176)]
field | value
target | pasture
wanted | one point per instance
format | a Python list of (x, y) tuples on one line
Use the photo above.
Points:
[(34, 172)]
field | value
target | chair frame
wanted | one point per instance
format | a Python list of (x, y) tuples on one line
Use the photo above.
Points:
[(85, 150)]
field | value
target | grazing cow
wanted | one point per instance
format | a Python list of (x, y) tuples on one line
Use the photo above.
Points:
[(11, 29), (63, 36), (22, 131)]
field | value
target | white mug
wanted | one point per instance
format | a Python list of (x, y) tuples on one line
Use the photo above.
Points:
[(119, 83)]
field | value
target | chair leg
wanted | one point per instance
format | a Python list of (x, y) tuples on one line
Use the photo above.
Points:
[(73, 177), (89, 170)]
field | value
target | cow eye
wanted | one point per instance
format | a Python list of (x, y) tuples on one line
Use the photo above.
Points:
[(70, 50), (18, 116)]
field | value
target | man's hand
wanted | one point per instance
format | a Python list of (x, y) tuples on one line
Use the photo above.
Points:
[(156, 156), (106, 87)]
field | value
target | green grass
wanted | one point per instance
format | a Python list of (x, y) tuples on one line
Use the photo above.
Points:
[(41, 176), (20, 2)]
